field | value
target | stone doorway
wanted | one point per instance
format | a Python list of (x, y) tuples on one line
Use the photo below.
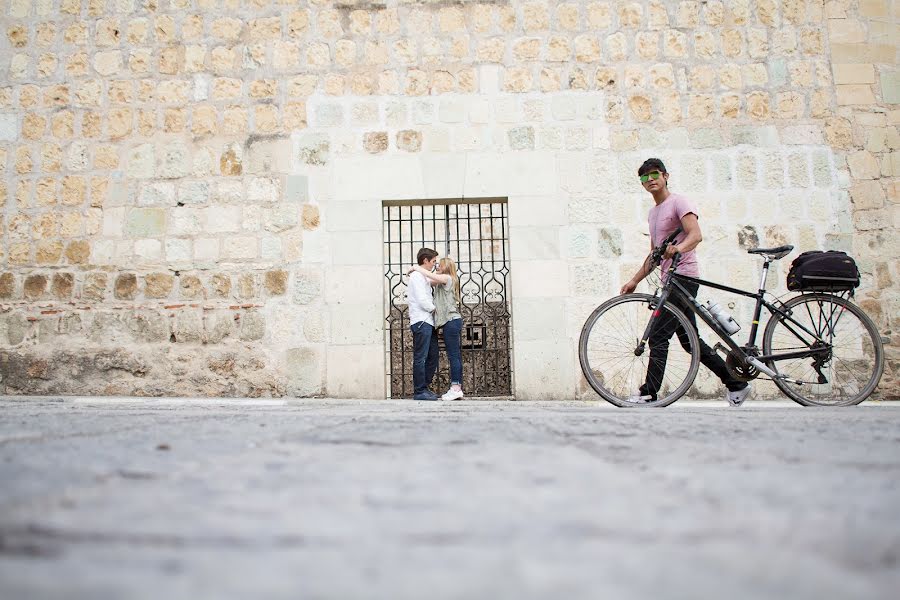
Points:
[(475, 233)]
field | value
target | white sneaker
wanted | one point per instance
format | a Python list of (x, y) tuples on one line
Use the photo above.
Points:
[(637, 398), (453, 395), (737, 398)]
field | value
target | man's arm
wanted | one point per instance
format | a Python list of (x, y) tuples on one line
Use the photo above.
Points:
[(691, 239), (420, 292)]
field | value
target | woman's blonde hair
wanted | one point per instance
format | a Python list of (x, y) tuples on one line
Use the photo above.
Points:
[(448, 267)]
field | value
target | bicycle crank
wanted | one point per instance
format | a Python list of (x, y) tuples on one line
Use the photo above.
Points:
[(739, 368)]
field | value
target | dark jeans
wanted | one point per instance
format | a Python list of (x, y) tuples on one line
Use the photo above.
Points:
[(425, 355), (452, 331), (665, 325)]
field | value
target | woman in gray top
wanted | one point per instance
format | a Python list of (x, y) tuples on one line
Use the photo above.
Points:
[(445, 282)]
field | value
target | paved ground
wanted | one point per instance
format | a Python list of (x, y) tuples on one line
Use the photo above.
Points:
[(389, 499)]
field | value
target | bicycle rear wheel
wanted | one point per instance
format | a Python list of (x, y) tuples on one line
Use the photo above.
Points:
[(606, 351), (852, 367)]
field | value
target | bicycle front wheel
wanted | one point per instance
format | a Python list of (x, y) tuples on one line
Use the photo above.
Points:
[(848, 372), (607, 347)]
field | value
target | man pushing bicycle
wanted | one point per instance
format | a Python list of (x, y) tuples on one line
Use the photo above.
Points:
[(671, 212)]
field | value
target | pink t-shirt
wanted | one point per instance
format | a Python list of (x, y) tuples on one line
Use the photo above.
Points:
[(664, 219)]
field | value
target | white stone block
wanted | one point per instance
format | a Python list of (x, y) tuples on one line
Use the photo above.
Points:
[(102, 252), (9, 128), (525, 211), (480, 111), (534, 243), (489, 79), (223, 219), (270, 248), (263, 189), (538, 278), (206, 249), (179, 250), (356, 248), (354, 284), (240, 248), (356, 323), (443, 173), (355, 371), (520, 173), (538, 319), (452, 110), (113, 222), (543, 369), (354, 215), (381, 177), (148, 250)]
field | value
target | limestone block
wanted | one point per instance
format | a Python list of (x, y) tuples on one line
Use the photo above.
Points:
[(863, 165), (617, 47), (544, 367), (587, 49), (148, 250), (675, 44), (852, 94)]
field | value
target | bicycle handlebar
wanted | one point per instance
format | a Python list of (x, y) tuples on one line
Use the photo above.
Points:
[(657, 253)]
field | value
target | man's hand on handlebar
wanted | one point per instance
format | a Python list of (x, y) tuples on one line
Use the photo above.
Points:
[(671, 250)]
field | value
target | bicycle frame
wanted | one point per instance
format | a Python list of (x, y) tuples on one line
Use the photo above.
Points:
[(674, 285)]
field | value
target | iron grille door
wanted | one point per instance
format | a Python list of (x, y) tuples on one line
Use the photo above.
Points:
[(475, 235)]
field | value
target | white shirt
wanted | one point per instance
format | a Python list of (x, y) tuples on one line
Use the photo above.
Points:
[(421, 303)]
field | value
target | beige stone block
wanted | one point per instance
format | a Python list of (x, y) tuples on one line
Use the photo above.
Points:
[(587, 49), (758, 105), (120, 123), (77, 65), (853, 73), (302, 85), (263, 88), (203, 120), (223, 60), (617, 47), (535, 17), (173, 91), (854, 94), (811, 41), (517, 79), (550, 80), (318, 55), (120, 92), (647, 44), (863, 53), (62, 124), (23, 161), (46, 65), (48, 252), (451, 19), (755, 75), (675, 44), (846, 31), (732, 41), (108, 63), (19, 253), (493, 50), (867, 195), (175, 120), (266, 119), (33, 126), (334, 84), (701, 107), (28, 96), (863, 165), (51, 158), (146, 122)]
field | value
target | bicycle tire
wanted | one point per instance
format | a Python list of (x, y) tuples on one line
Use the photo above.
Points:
[(622, 332), (859, 345)]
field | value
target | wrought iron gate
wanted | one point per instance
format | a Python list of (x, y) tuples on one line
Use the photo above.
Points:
[(475, 234)]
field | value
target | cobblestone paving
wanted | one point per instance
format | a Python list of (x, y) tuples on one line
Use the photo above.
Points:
[(116, 498)]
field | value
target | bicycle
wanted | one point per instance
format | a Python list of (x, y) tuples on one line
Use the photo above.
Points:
[(817, 347)]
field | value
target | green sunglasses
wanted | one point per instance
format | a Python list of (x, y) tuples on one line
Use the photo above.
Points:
[(651, 175)]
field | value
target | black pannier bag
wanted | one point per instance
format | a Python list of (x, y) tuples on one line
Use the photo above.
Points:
[(832, 271)]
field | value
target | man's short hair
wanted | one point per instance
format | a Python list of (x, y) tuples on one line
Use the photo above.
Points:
[(425, 254), (652, 164)]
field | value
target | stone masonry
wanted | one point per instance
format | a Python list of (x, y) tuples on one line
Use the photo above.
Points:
[(190, 190)]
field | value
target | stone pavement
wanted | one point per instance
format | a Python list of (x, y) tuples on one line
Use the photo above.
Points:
[(192, 499)]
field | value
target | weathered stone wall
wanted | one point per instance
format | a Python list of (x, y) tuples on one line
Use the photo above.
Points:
[(190, 191)]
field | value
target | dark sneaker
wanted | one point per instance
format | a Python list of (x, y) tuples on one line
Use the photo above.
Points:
[(426, 395)]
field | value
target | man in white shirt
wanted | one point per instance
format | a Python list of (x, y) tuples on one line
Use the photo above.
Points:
[(421, 322)]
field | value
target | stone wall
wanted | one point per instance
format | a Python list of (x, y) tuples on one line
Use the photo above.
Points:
[(190, 190)]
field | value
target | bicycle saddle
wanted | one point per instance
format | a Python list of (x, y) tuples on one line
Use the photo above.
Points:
[(773, 253)]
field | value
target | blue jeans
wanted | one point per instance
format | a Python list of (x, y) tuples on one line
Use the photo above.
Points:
[(425, 355), (452, 332)]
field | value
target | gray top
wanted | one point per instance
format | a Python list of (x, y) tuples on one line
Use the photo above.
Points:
[(445, 307)]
